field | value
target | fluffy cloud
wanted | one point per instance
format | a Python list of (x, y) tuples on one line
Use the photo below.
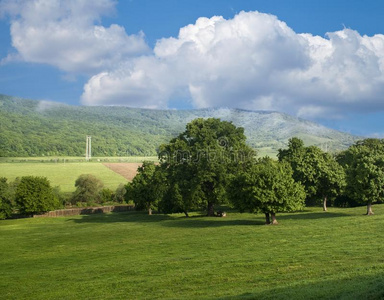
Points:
[(65, 34), (252, 61)]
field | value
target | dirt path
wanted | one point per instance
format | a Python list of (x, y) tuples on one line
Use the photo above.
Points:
[(127, 170)]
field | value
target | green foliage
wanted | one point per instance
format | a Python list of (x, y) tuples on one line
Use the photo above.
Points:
[(5, 199), (364, 164), (199, 162), (120, 193), (106, 195), (146, 189), (64, 199), (88, 189), (35, 195), (33, 128), (318, 171), (267, 187)]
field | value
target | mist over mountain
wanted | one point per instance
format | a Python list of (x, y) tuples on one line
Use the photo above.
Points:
[(38, 128)]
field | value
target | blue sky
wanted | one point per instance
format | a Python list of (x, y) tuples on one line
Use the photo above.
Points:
[(319, 60)]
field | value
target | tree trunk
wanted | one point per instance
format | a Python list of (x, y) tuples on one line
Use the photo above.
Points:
[(210, 210), (149, 211), (267, 219), (186, 214), (369, 209), (325, 203), (274, 221)]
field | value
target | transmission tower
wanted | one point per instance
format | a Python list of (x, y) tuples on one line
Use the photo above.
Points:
[(88, 148)]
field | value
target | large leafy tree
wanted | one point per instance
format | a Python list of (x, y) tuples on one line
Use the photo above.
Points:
[(202, 159), (180, 194), (322, 176), (267, 187), (35, 195), (364, 165), (147, 187), (5, 199)]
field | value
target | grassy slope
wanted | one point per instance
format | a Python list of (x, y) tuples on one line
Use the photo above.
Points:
[(334, 255), (33, 128), (62, 174)]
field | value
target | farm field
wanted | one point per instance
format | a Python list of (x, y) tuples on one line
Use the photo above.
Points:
[(78, 159), (64, 174), (309, 255), (127, 170)]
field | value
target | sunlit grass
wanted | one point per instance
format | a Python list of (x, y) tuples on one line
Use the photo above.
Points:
[(77, 159), (62, 174), (309, 255)]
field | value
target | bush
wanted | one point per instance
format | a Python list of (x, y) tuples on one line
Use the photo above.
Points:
[(5, 199), (88, 189), (120, 193), (63, 198), (107, 195), (35, 195)]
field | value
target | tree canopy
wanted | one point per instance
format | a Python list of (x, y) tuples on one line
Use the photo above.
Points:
[(5, 199), (200, 161), (322, 176), (35, 195), (364, 165), (267, 187), (88, 189), (147, 187)]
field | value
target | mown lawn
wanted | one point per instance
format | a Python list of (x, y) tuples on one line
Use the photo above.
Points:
[(309, 255), (62, 174)]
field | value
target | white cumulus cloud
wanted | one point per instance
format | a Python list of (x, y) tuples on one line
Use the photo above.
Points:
[(66, 34), (253, 61)]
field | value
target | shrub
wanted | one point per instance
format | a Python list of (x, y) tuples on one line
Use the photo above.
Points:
[(120, 193), (5, 199), (88, 189), (107, 195), (35, 195)]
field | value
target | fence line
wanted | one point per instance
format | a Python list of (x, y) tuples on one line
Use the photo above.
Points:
[(85, 211)]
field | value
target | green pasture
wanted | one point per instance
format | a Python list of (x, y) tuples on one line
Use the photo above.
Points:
[(62, 174), (309, 255), (77, 159)]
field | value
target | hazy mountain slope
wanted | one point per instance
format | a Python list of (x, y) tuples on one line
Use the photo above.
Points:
[(35, 128)]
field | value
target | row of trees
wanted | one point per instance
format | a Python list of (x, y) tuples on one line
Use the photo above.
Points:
[(211, 164), (30, 195), (27, 195)]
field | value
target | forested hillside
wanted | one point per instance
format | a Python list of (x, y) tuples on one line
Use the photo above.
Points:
[(37, 128)]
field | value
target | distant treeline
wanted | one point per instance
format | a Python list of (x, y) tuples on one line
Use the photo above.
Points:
[(26, 130), (39, 128)]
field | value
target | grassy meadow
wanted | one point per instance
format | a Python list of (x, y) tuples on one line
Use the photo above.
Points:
[(309, 255), (78, 159), (62, 174), (64, 171)]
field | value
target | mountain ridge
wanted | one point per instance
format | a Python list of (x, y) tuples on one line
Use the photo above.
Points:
[(36, 128)]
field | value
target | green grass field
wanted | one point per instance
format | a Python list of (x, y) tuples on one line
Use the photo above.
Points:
[(309, 255), (70, 159), (62, 174)]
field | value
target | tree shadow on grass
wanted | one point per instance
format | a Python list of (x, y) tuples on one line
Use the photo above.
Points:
[(359, 287), (132, 216), (204, 222), (310, 215), (194, 221), (197, 221)]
